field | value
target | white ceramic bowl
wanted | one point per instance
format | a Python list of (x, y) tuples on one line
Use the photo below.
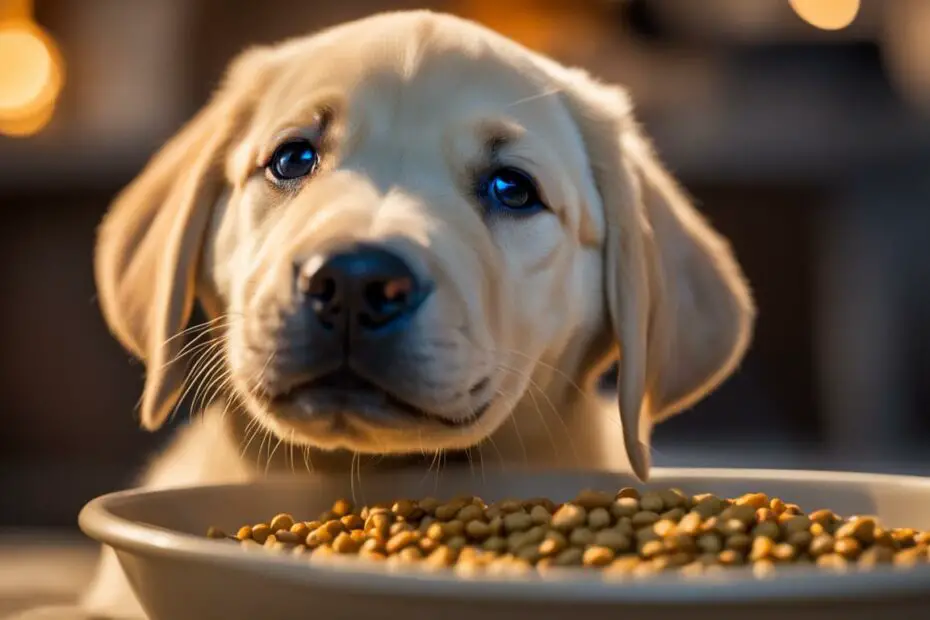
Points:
[(180, 575)]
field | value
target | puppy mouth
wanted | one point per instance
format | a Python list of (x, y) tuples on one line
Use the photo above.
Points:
[(345, 390)]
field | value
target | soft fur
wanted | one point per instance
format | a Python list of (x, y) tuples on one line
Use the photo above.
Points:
[(621, 266)]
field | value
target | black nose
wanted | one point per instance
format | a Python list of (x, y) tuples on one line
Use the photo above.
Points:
[(362, 287)]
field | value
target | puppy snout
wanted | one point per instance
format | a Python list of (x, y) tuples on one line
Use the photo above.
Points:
[(361, 289)]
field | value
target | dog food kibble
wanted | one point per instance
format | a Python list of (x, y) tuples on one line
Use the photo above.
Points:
[(627, 534)]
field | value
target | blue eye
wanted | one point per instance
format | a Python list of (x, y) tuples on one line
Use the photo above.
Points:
[(511, 190), (293, 160)]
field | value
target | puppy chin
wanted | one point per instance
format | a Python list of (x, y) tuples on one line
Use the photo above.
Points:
[(376, 432)]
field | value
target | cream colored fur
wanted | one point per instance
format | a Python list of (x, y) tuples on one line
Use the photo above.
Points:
[(621, 265)]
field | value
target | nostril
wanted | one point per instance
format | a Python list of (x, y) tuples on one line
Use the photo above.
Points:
[(322, 289)]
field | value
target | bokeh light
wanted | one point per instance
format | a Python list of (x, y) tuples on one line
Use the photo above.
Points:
[(827, 14), (31, 77)]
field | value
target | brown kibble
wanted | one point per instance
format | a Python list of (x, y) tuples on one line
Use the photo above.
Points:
[(470, 512), (675, 514), (644, 518), (282, 521), (673, 498), (796, 524), (709, 543), (345, 544), (627, 492), (860, 528), (800, 540), (352, 522), (341, 508), (456, 542), (665, 527), (244, 533), (768, 529), (429, 505), (754, 501), (613, 540), (764, 515), (517, 522), (784, 552), (597, 556), (403, 508), (570, 557), (260, 533), (652, 549), (581, 537), (740, 542), (589, 500), (762, 548), (680, 543), (598, 518), (821, 545), (849, 548), (495, 544), (624, 507), (300, 530), (873, 556), (732, 526), (447, 511), (777, 506), (568, 517), (216, 533), (477, 530), (908, 557), (652, 502), (553, 544), (823, 517), (708, 506), (288, 537), (739, 512), (690, 524), (540, 515), (400, 541)]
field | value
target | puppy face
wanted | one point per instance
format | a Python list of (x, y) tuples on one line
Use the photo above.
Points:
[(396, 224)]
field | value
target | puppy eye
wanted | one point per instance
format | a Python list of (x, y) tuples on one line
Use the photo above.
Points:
[(509, 189), (293, 160)]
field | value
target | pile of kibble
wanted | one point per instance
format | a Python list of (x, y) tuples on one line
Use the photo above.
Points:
[(623, 534)]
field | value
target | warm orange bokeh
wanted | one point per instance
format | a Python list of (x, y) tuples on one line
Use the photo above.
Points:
[(827, 14), (31, 77)]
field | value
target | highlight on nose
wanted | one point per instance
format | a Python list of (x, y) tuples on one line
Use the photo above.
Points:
[(361, 287)]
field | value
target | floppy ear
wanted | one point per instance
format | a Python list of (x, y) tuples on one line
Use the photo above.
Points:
[(679, 306), (149, 244)]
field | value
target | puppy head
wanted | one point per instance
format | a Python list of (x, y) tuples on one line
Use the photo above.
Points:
[(393, 223)]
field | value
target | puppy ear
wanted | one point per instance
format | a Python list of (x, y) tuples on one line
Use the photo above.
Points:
[(679, 306), (148, 246)]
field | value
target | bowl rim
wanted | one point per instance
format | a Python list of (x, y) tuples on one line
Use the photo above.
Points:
[(97, 521)]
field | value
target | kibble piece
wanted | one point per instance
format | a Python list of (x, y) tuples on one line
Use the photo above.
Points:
[(540, 515), (675, 514), (708, 506), (762, 548), (282, 521), (216, 533), (861, 528), (554, 543), (495, 544), (470, 512), (477, 530), (260, 533), (244, 533), (729, 557), (590, 500), (665, 527), (341, 508), (570, 557), (447, 511), (345, 544), (568, 517), (352, 522), (400, 541), (823, 517), (598, 518), (597, 556), (428, 505), (742, 542), (754, 501), (768, 529), (873, 556), (800, 540), (652, 549), (764, 515), (288, 537), (581, 537), (690, 524), (777, 505), (652, 502), (710, 543), (821, 545), (784, 552), (517, 522), (624, 507), (644, 518), (627, 492), (794, 524), (613, 540), (849, 548), (908, 557)]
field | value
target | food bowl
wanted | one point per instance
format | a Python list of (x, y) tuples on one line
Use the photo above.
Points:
[(178, 574)]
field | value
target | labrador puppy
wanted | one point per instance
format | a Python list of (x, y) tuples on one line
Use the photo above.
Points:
[(411, 236)]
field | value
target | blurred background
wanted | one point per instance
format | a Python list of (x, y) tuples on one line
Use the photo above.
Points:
[(802, 129)]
